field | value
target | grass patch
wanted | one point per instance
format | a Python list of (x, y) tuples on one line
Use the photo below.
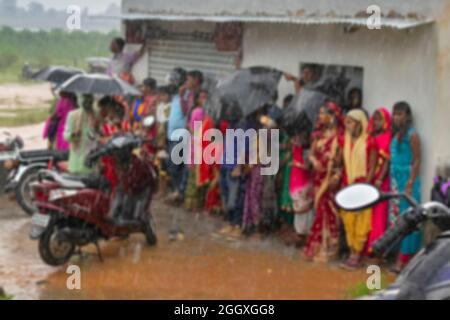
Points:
[(43, 48), (22, 117), (6, 297), (361, 289)]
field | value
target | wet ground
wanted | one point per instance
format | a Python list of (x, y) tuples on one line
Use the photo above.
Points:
[(203, 265)]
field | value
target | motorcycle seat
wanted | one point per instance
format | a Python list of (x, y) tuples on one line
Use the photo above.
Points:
[(90, 182), (44, 154), (70, 181)]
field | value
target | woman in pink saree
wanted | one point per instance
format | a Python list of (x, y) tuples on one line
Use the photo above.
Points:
[(54, 127), (380, 131)]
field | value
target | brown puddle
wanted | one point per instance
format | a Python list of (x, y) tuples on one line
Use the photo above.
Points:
[(199, 267)]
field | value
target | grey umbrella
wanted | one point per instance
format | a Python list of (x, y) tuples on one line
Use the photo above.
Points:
[(56, 74), (307, 101), (99, 84), (249, 89)]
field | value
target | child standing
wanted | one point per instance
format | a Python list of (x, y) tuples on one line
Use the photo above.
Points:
[(301, 187)]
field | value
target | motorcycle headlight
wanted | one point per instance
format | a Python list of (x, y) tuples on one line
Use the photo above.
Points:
[(10, 164)]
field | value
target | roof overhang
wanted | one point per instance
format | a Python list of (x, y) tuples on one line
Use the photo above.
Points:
[(396, 23)]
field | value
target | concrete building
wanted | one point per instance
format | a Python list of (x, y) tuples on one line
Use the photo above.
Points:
[(408, 58)]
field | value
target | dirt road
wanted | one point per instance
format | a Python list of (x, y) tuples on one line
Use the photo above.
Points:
[(202, 266)]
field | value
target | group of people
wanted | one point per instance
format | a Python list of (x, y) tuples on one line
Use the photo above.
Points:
[(346, 145)]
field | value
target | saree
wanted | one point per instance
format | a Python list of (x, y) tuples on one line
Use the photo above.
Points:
[(252, 202), (381, 144), (324, 234), (300, 189), (322, 242), (194, 194), (358, 224), (284, 199), (62, 109)]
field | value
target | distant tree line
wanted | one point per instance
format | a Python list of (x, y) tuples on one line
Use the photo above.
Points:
[(35, 16), (42, 48)]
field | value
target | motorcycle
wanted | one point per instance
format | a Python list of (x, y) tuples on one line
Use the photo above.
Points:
[(23, 167), (74, 211), (8, 149), (427, 276)]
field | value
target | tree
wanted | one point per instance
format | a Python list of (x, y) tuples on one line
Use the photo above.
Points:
[(9, 7), (36, 8)]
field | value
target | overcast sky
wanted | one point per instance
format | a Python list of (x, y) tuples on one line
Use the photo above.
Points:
[(93, 5)]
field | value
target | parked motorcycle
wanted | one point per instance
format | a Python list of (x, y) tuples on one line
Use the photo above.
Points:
[(23, 167), (8, 148), (427, 276), (74, 211)]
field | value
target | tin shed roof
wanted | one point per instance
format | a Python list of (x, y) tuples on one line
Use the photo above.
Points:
[(394, 13)]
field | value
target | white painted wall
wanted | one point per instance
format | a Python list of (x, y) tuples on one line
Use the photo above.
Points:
[(398, 65), (441, 141)]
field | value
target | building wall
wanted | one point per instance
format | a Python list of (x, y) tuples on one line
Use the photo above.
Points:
[(398, 65), (441, 142)]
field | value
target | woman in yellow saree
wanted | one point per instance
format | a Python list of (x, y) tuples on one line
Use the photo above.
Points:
[(357, 153)]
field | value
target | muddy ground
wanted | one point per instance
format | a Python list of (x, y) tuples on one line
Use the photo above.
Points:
[(203, 265)]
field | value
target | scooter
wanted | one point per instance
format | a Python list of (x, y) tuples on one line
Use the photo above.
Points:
[(427, 276), (74, 211)]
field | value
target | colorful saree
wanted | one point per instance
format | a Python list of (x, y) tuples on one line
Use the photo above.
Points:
[(300, 188), (284, 198), (381, 144), (322, 242), (357, 224)]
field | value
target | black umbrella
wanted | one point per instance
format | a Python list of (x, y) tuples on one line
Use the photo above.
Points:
[(246, 89), (56, 74), (307, 101), (99, 84)]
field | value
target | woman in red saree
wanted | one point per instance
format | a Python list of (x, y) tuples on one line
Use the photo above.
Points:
[(380, 131), (325, 157), (112, 115)]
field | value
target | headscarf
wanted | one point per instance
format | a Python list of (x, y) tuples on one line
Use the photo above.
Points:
[(355, 157), (382, 140), (386, 120), (337, 111)]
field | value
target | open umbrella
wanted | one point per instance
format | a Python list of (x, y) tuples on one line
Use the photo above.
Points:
[(307, 101), (99, 84), (248, 89), (56, 74)]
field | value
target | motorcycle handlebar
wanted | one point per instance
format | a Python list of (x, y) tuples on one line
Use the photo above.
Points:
[(94, 156), (404, 225)]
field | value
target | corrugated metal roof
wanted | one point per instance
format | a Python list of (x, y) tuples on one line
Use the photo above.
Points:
[(386, 22), (395, 13)]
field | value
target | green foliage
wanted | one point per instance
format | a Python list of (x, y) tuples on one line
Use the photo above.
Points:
[(361, 289), (7, 59), (42, 48), (21, 117)]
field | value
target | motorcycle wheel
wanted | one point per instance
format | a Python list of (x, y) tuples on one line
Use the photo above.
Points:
[(52, 250), (150, 231), (24, 195)]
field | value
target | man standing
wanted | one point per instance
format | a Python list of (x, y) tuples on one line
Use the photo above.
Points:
[(177, 120), (189, 91), (188, 96), (79, 126), (122, 62)]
